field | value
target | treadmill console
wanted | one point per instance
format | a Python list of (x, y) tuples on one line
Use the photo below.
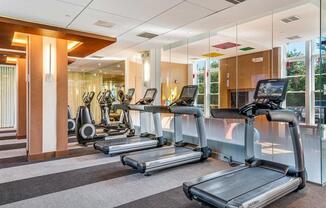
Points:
[(269, 95), (187, 97), (149, 97)]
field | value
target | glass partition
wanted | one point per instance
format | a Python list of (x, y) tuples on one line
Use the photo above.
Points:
[(226, 64), (321, 86)]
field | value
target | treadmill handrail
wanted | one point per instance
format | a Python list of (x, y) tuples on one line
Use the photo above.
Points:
[(227, 113), (187, 110), (157, 109), (137, 107)]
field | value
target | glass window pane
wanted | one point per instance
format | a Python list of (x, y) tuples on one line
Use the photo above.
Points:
[(297, 84), (295, 100), (214, 88), (214, 76), (295, 68), (214, 100)]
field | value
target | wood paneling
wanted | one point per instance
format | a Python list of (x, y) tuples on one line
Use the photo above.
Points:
[(173, 75), (248, 73), (62, 94), (35, 91), (21, 98), (91, 42)]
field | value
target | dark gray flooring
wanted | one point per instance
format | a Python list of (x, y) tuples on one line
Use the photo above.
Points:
[(312, 196), (38, 186)]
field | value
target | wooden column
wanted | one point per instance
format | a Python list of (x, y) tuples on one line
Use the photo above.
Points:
[(35, 96), (62, 97), (21, 99)]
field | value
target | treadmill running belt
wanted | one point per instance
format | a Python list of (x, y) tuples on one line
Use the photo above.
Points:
[(161, 153), (122, 141), (232, 185)]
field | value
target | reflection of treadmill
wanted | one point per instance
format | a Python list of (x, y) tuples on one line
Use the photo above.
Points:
[(181, 153), (258, 182), (143, 141)]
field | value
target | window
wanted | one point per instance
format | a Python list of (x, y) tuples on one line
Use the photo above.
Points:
[(207, 74), (296, 73), (200, 68), (214, 83), (7, 96)]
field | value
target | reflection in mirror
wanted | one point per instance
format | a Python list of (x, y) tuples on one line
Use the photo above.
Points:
[(87, 75)]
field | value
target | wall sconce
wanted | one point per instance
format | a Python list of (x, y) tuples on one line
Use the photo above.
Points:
[(49, 58), (147, 73)]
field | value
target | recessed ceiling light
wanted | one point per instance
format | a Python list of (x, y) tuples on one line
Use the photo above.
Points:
[(102, 23), (97, 57)]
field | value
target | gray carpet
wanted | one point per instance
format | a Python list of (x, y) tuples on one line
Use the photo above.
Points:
[(38, 186), (312, 197)]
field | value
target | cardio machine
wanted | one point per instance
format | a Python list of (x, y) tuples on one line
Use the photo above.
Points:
[(258, 182), (87, 99), (86, 130), (124, 125), (180, 152), (105, 100), (137, 142)]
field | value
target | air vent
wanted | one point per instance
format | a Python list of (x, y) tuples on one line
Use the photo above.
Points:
[(102, 23), (293, 37), (97, 57), (147, 35), (235, 1), (290, 19)]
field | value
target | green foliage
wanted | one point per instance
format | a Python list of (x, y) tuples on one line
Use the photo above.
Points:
[(297, 83), (295, 68), (201, 88), (201, 78), (214, 88), (214, 100), (214, 76), (214, 64), (295, 99), (200, 99)]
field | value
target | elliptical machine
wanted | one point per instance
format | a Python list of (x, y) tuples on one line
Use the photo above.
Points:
[(85, 127), (124, 124), (87, 99), (105, 100)]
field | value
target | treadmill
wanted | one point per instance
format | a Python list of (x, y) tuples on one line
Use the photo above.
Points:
[(258, 182), (180, 152), (137, 142)]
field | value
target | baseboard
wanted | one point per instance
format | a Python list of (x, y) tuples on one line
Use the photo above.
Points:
[(21, 136), (48, 155)]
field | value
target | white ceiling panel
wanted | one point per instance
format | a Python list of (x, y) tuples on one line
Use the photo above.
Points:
[(86, 20), (137, 9), (215, 5), (180, 15), (49, 12)]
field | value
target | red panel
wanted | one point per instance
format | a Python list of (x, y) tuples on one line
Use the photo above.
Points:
[(226, 45)]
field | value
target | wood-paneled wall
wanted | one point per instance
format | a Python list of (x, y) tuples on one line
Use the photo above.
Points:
[(21, 98), (248, 73), (173, 75)]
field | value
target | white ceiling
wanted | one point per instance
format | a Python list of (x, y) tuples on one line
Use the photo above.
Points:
[(172, 20), (262, 34)]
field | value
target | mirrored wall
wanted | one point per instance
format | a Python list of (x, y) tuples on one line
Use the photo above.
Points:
[(92, 76), (227, 63)]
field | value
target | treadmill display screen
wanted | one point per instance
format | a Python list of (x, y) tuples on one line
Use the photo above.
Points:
[(273, 89), (150, 94), (189, 91)]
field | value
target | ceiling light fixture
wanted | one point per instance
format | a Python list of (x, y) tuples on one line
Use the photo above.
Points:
[(71, 45), (19, 39), (11, 60)]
